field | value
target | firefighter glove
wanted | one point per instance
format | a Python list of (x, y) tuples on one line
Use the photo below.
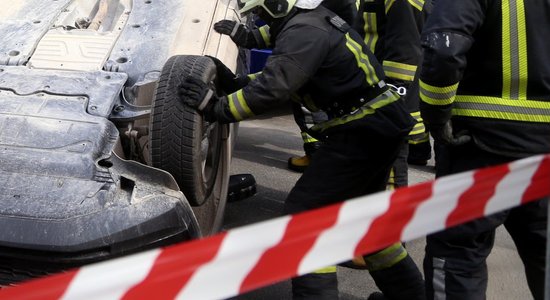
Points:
[(241, 35), (196, 94), (444, 135), (227, 80)]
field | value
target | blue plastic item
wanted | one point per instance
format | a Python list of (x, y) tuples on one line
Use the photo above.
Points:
[(258, 58)]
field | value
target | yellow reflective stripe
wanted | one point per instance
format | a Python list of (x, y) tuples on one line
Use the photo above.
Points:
[(371, 30), (419, 139), (331, 269), (308, 138), (544, 106), (390, 186), (369, 108), (295, 98), (503, 109), (264, 32), (238, 107), (437, 95), (400, 71), (416, 115), (309, 104), (418, 4), (514, 50), (254, 75), (386, 258), (362, 60), (419, 128), (357, 4), (388, 4)]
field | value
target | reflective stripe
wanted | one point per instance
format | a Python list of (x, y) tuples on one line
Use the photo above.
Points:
[(437, 95), (504, 109), (369, 108), (418, 4), (388, 4), (419, 139), (357, 4), (390, 186), (416, 115), (306, 100), (295, 98), (362, 60), (418, 128), (309, 104), (238, 107), (308, 138), (397, 70), (438, 281), (331, 269), (386, 258), (371, 30), (254, 75), (264, 32), (514, 50)]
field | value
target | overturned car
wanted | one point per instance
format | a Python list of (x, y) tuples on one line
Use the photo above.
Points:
[(98, 157)]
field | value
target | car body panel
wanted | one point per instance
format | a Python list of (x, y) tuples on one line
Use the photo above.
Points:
[(68, 95)]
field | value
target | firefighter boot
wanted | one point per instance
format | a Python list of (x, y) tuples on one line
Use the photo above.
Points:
[(419, 152), (300, 163), (402, 280)]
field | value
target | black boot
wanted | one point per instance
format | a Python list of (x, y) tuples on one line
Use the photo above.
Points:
[(316, 286), (402, 281)]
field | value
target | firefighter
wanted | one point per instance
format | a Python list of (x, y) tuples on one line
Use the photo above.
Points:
[(391, 30), (259, 38), (485, 97), (316, 55)]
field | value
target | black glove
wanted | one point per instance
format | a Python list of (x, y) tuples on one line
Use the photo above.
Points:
[(241, 35), (196, 94), (444, 134)]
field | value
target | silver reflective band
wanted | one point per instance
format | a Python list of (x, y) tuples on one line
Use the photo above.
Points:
[(206, 99), (235, 29)]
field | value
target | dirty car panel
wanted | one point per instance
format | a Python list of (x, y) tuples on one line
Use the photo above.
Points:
[(77, 79)]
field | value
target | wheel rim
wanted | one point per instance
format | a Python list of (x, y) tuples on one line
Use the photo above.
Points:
[(210, 155)]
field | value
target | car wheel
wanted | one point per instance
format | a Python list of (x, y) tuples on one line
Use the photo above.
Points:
[(187, 146)]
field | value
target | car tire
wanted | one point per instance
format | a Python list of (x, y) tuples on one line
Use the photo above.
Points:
[(185, 145)]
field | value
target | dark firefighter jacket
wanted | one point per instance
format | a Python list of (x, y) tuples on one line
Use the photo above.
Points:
[(391, 29), (487, 65), (317, 57)]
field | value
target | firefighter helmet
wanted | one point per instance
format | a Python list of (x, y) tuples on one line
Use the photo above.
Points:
[(275, 8)]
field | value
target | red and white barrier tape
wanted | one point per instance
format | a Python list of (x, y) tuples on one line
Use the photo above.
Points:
[(253, 256)]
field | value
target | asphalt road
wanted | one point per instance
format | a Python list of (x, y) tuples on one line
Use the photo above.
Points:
[(263, 147)]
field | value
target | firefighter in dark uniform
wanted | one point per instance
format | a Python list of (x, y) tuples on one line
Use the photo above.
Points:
[(485, 96), (391, 30), (259, 38), (317, 56)]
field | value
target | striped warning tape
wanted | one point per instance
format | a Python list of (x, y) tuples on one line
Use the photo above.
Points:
[(253, 256)]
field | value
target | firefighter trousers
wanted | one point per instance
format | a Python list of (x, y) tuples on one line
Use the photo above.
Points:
[(350, 164), (455, 262)]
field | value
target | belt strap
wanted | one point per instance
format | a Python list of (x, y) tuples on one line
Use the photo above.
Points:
[(349, 104)]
